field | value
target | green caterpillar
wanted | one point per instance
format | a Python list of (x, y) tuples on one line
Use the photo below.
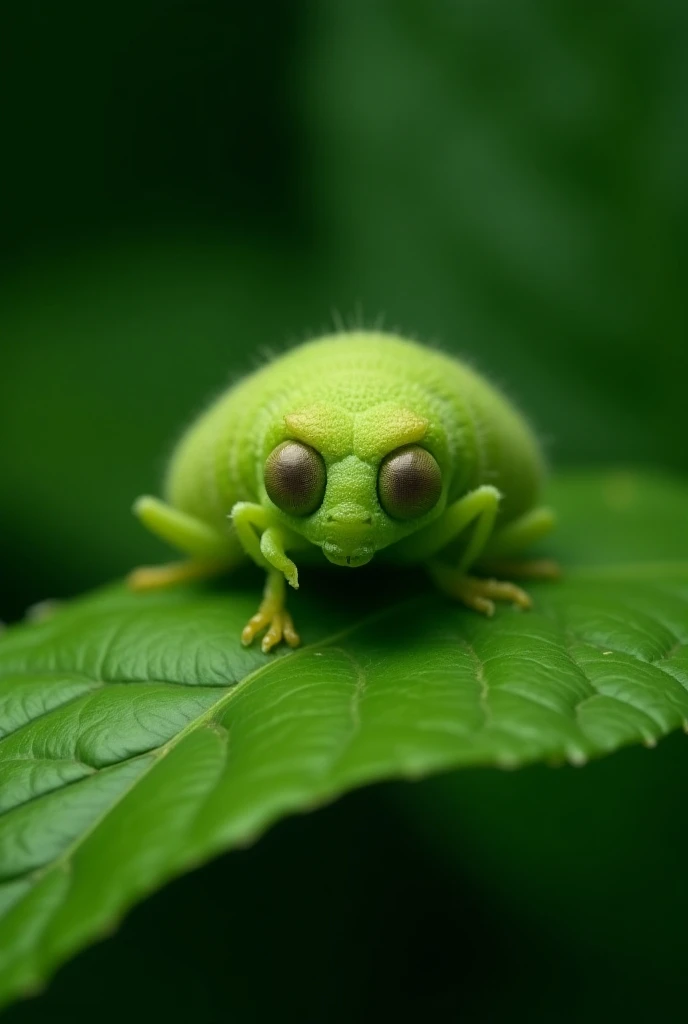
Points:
[(355, 445)]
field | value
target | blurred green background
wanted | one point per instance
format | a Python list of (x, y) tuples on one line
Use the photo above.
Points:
[(186, 186)]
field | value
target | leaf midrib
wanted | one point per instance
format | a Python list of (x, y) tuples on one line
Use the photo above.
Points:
[(156, 754)]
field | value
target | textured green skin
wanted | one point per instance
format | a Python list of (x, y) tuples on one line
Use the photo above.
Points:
[(356, 382)]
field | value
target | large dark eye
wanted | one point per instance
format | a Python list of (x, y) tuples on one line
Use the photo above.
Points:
[(409, 483), (295, 478)]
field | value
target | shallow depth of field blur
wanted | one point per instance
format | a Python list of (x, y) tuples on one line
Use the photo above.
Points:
[(187, 186)]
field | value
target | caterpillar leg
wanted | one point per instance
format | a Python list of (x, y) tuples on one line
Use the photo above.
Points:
[(265, 542), (513, 538), (522, 569), (272, 616), (212, 553), (500, 555), (477, 509), (495, 556), (186, 533), (476, 593), (156, 577)]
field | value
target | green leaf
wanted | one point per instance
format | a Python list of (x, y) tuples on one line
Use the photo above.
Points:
[(139, 738)]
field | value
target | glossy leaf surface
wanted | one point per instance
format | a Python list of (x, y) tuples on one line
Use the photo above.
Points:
[(139, 738)]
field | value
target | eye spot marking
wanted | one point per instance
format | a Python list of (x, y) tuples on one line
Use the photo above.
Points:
[(409, 482), (295, 478)]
